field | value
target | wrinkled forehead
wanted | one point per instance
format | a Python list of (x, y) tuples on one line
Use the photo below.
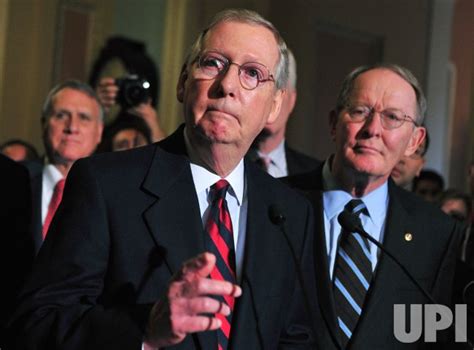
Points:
[(243, 42), (383, 88)]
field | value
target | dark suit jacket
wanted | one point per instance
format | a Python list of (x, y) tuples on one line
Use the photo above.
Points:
[(35, 170), (127, 222), (16, 249), (430, 257), (299, 163)]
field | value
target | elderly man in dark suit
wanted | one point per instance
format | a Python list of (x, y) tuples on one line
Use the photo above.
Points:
[(270, 149), (127, 262), (72, 123), (377, 120)]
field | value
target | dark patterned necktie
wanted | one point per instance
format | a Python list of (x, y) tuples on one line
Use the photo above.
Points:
[(220, 242), (352, 275)]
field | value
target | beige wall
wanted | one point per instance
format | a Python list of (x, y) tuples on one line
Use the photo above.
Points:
[(27, 69), (462, 57), (28, 51)]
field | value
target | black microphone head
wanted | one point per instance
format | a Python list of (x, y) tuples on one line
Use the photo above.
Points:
[(276, 214), (349, 221), (468, 295)]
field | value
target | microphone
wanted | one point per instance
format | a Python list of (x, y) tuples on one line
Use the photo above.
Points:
[(278, 218), (468, 295), (351, 223)]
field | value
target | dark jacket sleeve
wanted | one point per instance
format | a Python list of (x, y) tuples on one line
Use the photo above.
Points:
[(60, 306)]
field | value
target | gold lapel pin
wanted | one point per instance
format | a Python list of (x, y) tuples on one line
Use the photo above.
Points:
[(408, 237)]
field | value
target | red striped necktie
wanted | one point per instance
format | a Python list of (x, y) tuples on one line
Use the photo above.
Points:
[(220, 242), (53, 205)]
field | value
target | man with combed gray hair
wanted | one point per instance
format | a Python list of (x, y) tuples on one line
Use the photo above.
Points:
[(377, 119), (72, 124), (270, 149), (172, 244)]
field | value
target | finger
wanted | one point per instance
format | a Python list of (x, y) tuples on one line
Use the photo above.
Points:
[(206, 305), (201, 265), (106, 81), (193, 324), (208, 286)]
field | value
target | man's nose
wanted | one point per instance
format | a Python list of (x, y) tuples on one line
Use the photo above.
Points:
[(229, 81), (373, 124), (71, 125)]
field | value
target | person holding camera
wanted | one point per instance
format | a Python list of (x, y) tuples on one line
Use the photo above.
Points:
[(109, 94), (125, 76)]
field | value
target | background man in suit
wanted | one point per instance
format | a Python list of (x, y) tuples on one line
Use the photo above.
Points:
[(72, 123), (409, 167), (376, 121), (270, 150), (130, 219)]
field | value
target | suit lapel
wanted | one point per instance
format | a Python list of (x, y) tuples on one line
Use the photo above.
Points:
[(323, 281), (36, 182), (259, 263), (397, 224), (174, 218)]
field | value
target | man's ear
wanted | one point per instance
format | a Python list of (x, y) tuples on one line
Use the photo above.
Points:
[(276, 106), (291, 96), (416, 138), (332, 124), (183, 76)]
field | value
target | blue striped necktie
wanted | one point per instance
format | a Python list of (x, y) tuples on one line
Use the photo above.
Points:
[(352, 275)]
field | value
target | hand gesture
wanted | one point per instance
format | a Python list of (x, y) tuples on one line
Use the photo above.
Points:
[(187, 306)]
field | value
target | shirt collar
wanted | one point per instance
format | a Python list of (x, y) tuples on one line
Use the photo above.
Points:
[(51, 175), (276, 154), (204, 179)]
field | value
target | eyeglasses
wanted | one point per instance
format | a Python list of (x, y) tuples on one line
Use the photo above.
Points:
[(390, 118), (251, 74)]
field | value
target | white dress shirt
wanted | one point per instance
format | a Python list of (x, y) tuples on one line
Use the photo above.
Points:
[(334, 200), (51, 176), (236, 198), (277, 166)]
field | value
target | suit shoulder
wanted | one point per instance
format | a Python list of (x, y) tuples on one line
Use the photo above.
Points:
[(272, 188), (305, 182), (425, 212), (299, 162)]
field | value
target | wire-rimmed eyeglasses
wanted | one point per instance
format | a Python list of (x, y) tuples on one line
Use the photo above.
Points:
[(251, 74), (390, 118)]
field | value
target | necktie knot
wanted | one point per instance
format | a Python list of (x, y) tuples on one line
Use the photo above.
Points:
[(219, 190), (356, 206)]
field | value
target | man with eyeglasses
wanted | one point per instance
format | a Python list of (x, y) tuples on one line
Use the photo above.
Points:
[(172, 244), (377, 120), (409, 167)]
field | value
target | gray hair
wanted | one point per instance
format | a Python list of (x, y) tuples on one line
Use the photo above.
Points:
[(404, 73), (291, 70), (47, 109), (249, 17)]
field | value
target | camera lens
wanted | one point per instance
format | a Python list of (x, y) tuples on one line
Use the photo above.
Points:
[(133, 90)]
